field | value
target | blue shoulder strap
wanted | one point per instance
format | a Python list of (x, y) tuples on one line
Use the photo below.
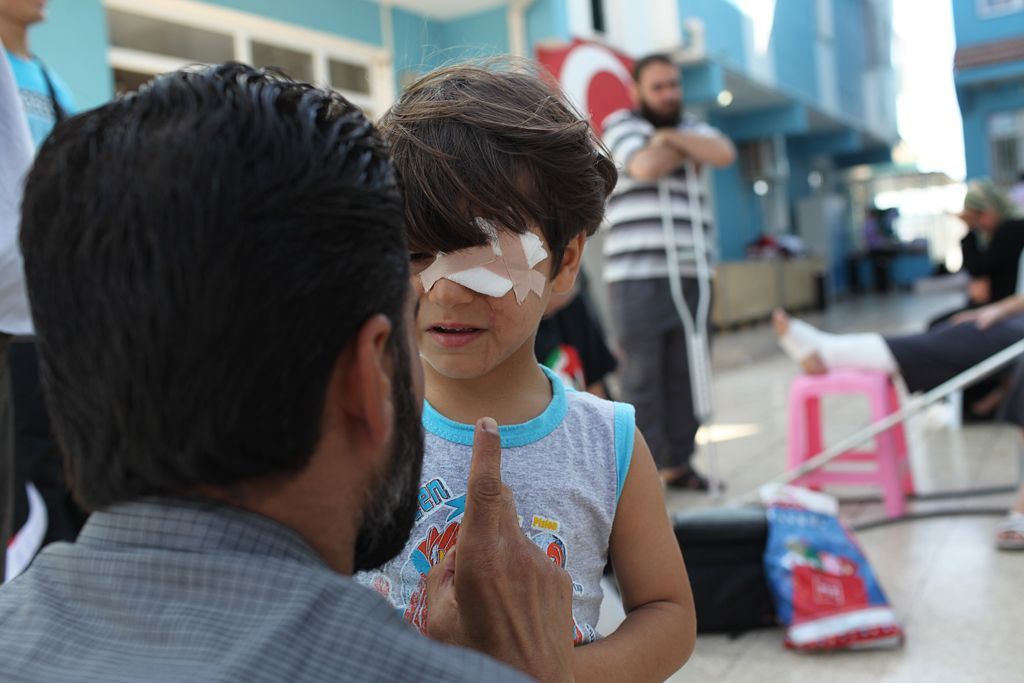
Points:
[(625, 428)]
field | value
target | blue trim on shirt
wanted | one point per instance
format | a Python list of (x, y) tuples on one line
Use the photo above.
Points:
[(511, 435), (625, 429), (35, 96)]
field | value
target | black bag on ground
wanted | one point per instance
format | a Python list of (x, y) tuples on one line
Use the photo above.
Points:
[(724, 553)]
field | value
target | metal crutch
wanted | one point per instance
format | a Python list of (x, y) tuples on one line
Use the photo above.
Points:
[(696, 330)]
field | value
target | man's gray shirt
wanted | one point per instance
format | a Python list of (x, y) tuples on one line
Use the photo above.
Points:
[(168, 590)]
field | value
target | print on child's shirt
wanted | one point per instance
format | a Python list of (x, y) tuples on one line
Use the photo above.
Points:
[(437, 500)]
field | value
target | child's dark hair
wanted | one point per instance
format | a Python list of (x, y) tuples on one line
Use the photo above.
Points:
[(501, 144)]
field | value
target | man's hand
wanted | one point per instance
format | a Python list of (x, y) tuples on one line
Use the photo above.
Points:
[(496, 592), (707, 147), (663, 137), (984, 317)]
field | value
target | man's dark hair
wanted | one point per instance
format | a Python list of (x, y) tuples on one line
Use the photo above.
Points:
[(198, 254), (644, 62), (500, 144)]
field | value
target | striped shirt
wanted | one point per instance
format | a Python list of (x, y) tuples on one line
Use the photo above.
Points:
[(634, 247)]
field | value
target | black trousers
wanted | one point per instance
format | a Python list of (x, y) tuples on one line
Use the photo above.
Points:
[(36, 455), (6, 455), (928, 359), (655, 368), (982, 388)]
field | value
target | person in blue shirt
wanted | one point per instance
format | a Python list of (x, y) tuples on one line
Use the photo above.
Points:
[(39, 476), (45, 97)]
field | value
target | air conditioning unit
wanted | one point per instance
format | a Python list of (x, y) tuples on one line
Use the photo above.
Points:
[(694, 47)]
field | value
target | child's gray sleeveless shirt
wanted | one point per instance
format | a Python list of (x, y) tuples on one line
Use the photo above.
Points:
[(566, 468)]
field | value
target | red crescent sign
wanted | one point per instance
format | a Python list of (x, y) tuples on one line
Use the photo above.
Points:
[(596, 78)]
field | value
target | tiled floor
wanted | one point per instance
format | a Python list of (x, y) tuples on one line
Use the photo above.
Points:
[(959, 599)]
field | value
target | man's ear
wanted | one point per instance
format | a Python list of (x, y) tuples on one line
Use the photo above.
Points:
[(572, 260), (362, 383)]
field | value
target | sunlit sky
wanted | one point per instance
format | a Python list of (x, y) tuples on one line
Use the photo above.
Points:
[(927, 112)]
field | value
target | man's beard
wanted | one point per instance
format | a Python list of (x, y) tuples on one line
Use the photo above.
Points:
[(670, 120), (391, 508)]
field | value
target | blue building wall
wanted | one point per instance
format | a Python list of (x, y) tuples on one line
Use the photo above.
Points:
[(792, 45), (723, 22), (985, 90), (356, 19), (419, 44), (481, 34), (851, 60), (971, 28), (73, 42), (422, 44), (547, 20), (976, 106), (794, 76), (737, 213)]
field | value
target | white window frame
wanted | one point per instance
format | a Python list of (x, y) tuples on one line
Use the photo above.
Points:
[(986, 11), (244, 29), (1015, 136)]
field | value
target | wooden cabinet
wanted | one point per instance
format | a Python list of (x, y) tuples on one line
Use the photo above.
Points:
[(746, 291)]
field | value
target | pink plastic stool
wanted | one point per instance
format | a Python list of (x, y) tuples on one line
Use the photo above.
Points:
[(892, 471)]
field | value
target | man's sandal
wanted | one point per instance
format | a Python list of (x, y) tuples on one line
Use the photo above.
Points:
[(689, 480), (1010, 532)]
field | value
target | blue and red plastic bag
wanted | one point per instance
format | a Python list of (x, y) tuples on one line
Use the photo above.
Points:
[(825, 593)]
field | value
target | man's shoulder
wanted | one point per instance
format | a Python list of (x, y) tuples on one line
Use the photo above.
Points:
[(306, 624), (28, 74), (625, 120), (411, 656), (32, 75), (392, 650), (62, 91)]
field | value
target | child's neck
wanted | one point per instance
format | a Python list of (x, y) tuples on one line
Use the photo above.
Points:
[(512, 393), (15, 39)]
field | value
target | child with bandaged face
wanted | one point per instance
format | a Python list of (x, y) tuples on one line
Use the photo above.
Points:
[(503, 183)]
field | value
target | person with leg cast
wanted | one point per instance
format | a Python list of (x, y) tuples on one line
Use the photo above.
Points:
[(924, 361)]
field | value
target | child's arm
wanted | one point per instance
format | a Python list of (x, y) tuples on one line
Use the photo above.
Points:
[(658, 634)]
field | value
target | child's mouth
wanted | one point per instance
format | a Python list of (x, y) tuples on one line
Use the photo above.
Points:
[(454, 336)]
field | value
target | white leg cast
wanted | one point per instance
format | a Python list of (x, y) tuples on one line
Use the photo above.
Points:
[(800, 341), (864, 351)]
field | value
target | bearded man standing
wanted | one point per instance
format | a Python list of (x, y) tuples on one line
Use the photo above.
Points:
[(661, 155)]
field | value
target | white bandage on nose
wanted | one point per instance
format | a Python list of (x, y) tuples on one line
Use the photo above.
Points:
[(505, 263)]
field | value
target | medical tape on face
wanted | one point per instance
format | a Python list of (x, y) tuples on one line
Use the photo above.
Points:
[(505, 263)]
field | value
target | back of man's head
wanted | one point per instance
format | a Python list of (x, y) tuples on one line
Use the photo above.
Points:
[(197, 256)]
